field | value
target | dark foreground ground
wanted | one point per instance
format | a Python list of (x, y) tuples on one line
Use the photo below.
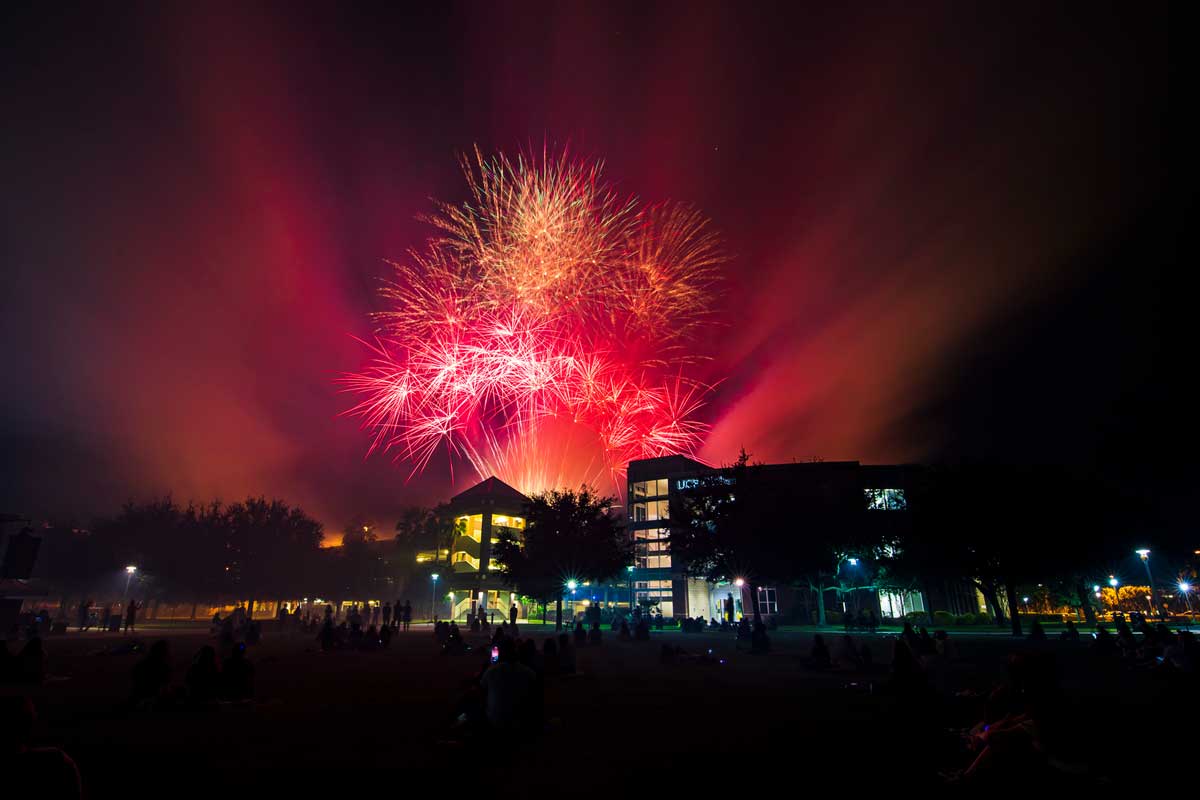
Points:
[(626, 723)]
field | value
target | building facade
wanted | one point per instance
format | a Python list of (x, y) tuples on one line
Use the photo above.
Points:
[(482, 514), (658, 485)]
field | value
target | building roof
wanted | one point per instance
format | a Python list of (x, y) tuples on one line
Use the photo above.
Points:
[(492, 490), (648, 468)]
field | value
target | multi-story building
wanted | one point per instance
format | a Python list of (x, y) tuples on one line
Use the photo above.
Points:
[(482, 514), (657, 485)]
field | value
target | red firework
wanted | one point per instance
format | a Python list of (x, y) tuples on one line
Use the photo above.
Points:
[(545, 306)]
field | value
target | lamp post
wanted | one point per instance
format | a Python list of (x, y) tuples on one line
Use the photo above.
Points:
[(1186, 587), (629, 571), (1115, 584), (1144, 555), (129, 571), (433, 598), (740, 582)]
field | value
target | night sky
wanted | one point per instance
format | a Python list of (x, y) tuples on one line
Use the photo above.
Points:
[(948, 224)]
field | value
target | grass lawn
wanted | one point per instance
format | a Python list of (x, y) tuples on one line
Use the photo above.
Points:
[(320, 717)]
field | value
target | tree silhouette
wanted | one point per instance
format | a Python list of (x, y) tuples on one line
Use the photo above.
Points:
[(568, 536)]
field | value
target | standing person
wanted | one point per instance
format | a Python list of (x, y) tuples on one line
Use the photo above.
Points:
[(131, 615), (106, 617), (387, 614), (512, 614), (407, 614), (375, 611), (85, 613)]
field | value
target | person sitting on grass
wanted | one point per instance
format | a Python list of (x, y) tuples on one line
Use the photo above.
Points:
[(624, 635), (151, 676), (508, 687), (1071, 634), (847, 654), (595, 635), (566, 655), (818, 656), (42, 772), (907, 678), (237, 675), (760, 643), (550, 663), (1036, 632), (203, 681), (580, 634)]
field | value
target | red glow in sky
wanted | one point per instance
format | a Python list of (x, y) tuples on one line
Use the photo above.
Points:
[(200, 201)]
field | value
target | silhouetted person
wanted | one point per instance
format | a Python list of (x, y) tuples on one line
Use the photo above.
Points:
[(512, 614), (32, 772), (151, 675), (131, 615), (106, 617), (760, 643), (85, 615), (566, 655), (508, 685), (387, 614), (237, 675), (818, 656), (1071, 634), (550, 663), (624, 635), (203, 677), (580, 635), (385, 636), (1036, 632), (29, 666), (595, 635), (327, 636), (407, 616), (907, 677)]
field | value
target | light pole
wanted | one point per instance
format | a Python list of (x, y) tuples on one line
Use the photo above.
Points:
[(433, 598), (1144, 554), (740, 582), (1186, 587), (129, 571), (1115, 584), (629, 570)]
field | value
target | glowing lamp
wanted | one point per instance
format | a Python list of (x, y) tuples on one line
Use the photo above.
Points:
[(131, 569), (572, 585), (853, 562), (1113, 582), (740, 583), (1185, 587), (1143, 553)]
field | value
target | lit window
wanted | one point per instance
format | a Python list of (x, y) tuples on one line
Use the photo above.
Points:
[(767, 601), (655, 488), (885, 499)]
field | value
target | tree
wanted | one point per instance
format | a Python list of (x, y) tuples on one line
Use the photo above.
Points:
[(568, 536), (756, 522)]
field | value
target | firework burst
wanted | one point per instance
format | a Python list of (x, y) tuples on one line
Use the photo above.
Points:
[(545, 306)]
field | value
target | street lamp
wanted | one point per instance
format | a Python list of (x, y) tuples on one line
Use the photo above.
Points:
[(1186, 587), (1114, 583), (433, 598), (1144, 554), (629, 569), (129, 571)]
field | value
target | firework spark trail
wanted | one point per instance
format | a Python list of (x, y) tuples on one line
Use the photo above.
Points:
[(546, 302)]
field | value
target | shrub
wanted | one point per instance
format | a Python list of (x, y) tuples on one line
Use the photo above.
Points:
[(917, 617), (984, 619), (943, 619), (965, 619)]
